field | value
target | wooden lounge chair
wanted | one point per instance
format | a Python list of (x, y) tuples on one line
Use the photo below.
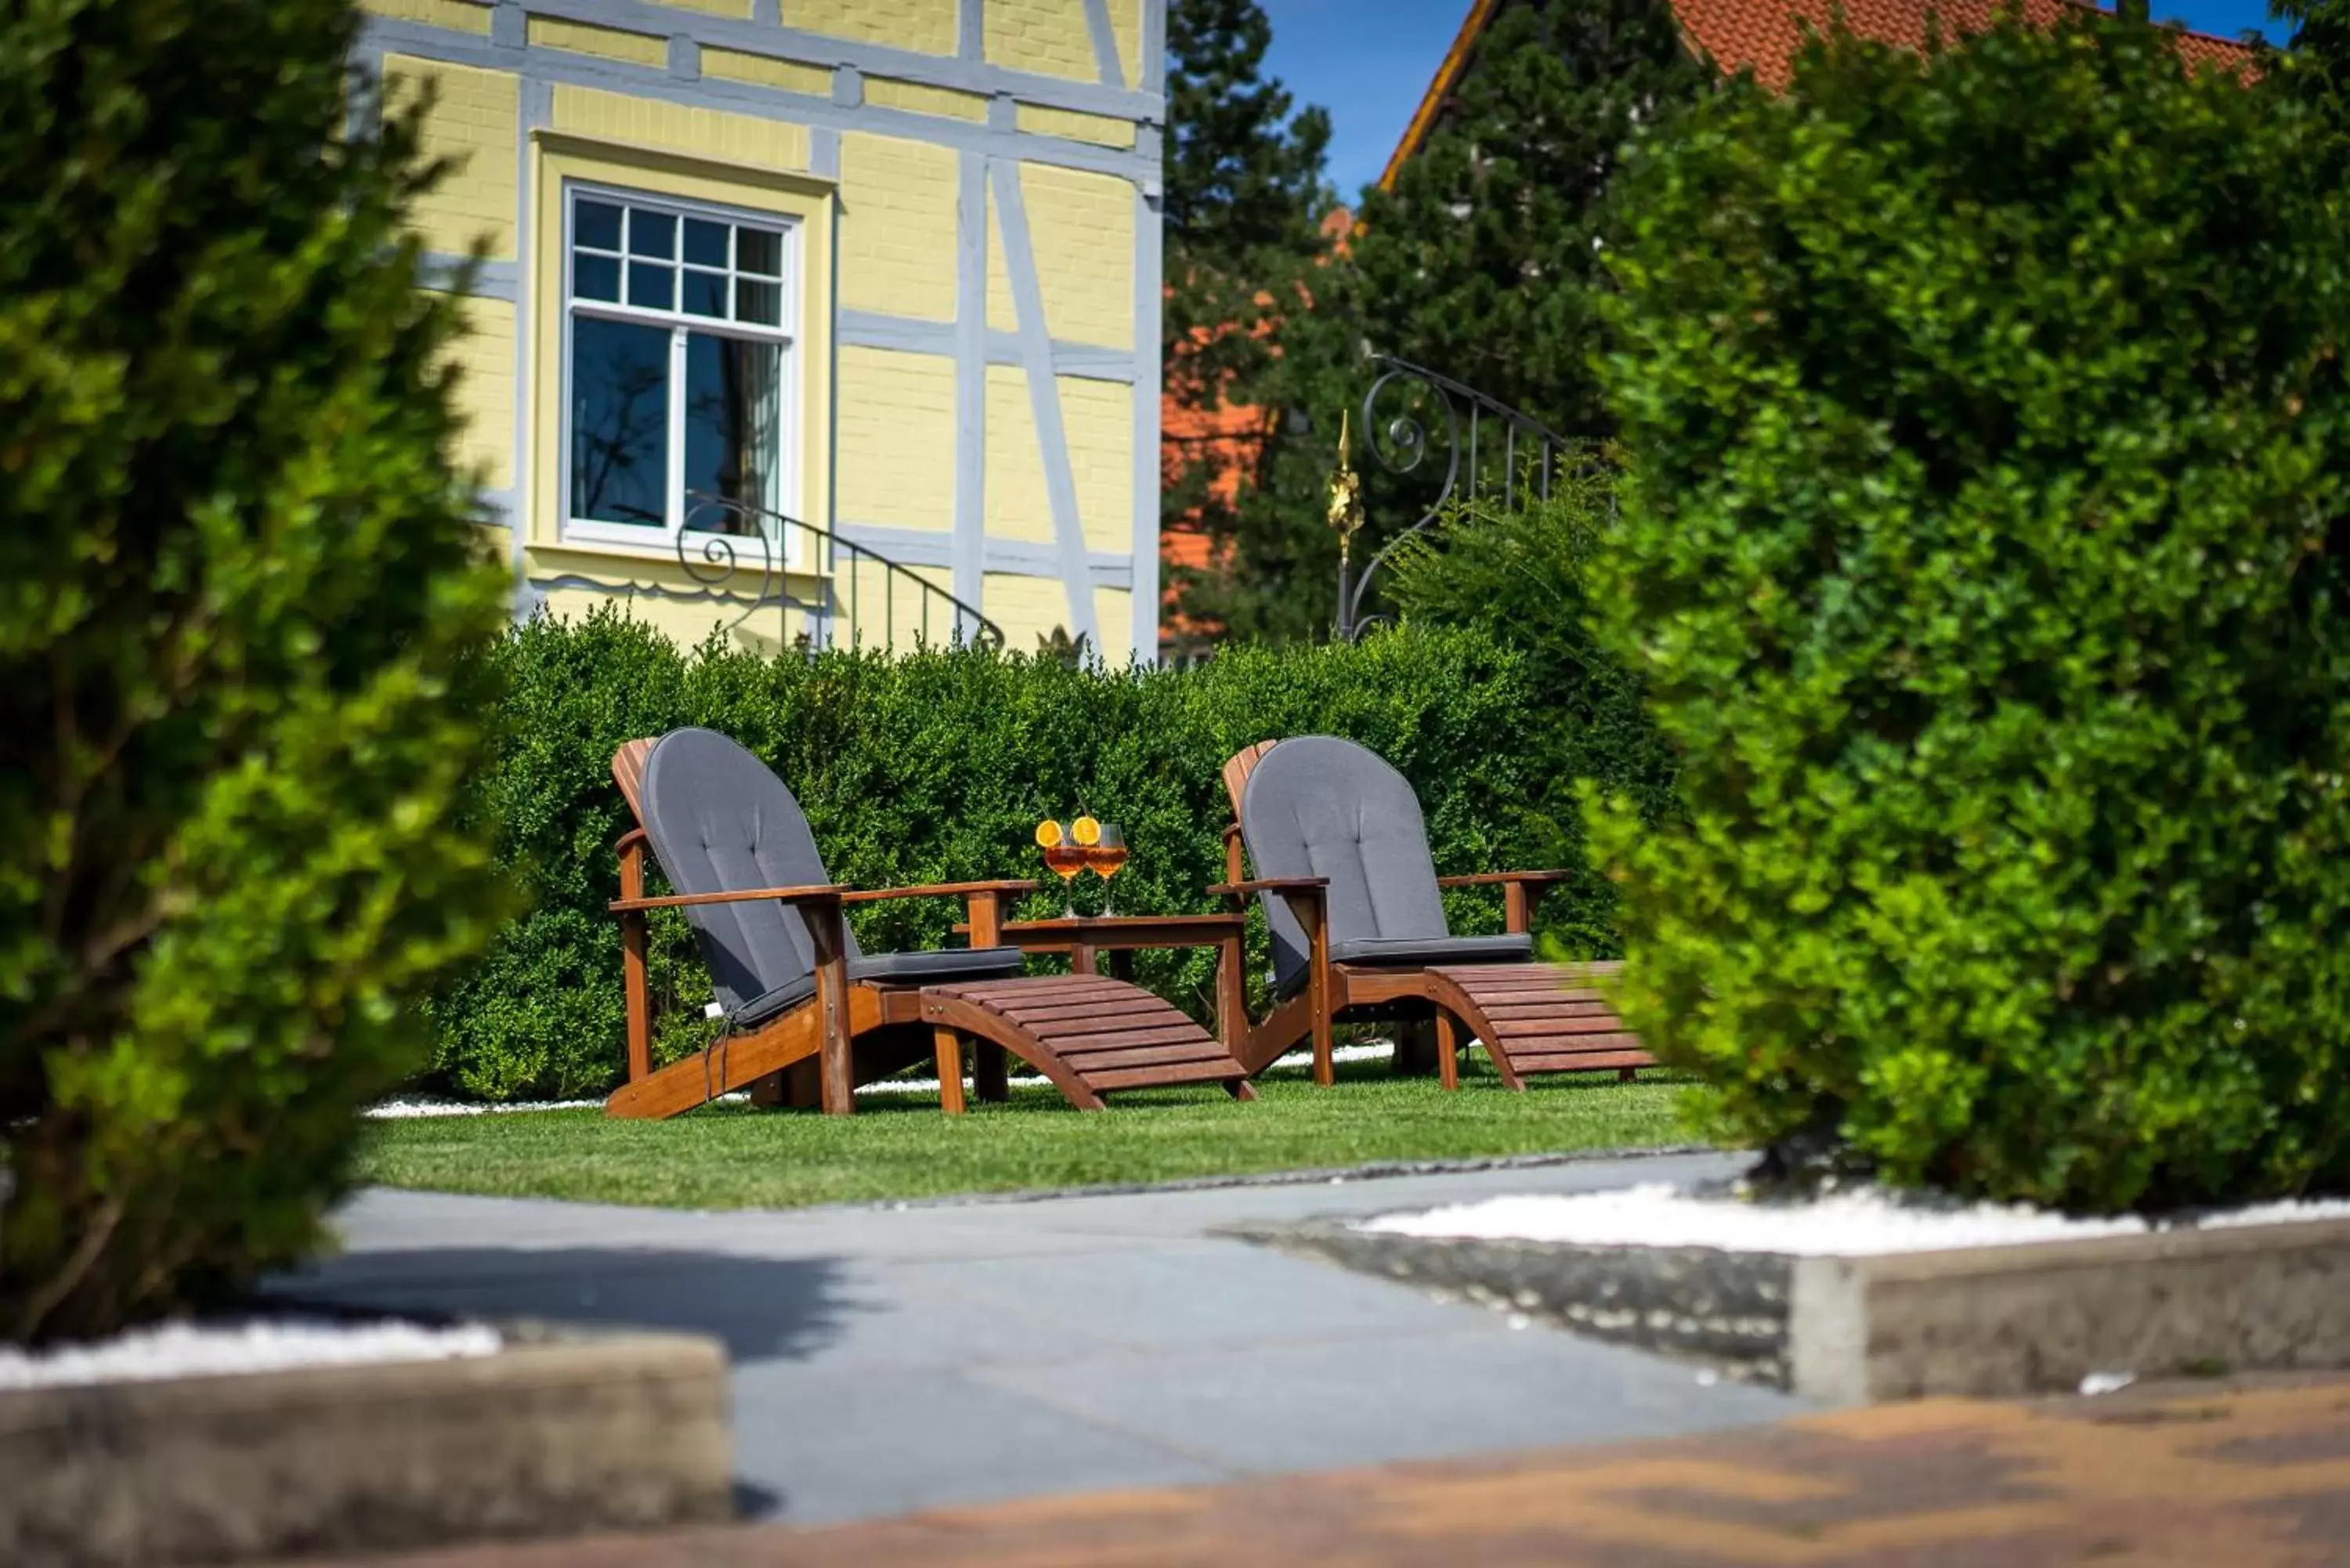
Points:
[(1357, 915), (807, 1016)]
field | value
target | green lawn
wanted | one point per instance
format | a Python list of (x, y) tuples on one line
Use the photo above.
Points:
[(900, 1146)]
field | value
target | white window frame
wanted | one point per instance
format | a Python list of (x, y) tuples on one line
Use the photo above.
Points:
[(663, 540)]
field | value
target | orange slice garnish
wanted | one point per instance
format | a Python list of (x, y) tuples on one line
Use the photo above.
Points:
[(1085, 831), (1049, 834)]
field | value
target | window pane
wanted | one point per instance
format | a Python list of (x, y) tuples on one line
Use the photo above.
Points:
[(734, 415), (595, 277), (705, 242), (619, 421), (705, 293), (759, 251), (654, 287), (651, 234), (759, 302), (596, 224)]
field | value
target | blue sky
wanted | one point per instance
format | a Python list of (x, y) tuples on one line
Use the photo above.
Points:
[(1368, 61)]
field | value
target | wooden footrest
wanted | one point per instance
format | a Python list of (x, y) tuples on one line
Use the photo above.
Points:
[(1545, 1018), (1103, 1034)]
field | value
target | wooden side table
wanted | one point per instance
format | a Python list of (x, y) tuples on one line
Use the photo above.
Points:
[(1084, 936)]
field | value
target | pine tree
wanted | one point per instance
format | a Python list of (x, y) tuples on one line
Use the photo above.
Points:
[(1482, 261), (1247, 268)]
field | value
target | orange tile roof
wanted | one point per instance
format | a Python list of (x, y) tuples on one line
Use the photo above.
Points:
[(1767, 35)]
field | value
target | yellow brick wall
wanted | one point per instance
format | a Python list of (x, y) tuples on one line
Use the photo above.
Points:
[(1047, 37), (1081, 226), (1125, 26), (888, 92), (1026, 607), (454, 13), (1100, 418), (648, 122), (1098, 129), (473, 123), (484, 360), (897, 226), (1017, 504), (740, 9), (611, 43), (896, 452), (729, 65), (928, 26), (1114, 613)]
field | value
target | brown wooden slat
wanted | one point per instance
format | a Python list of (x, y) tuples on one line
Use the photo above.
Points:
[(1591, 1062), (1144, 1077), (1075, 1047), (1531, 1028), (1090, 1068), (1584, 1044), (1546, 1008), (1078, 1012)]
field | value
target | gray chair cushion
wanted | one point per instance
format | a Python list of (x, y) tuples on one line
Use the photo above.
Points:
[(721, 821), (938, 967), (1514, 948), (1321, 807), (770, 1004)]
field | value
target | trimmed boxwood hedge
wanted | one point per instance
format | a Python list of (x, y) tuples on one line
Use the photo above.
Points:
[(935, 768)]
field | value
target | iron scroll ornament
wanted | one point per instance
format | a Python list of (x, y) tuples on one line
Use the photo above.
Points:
[(1398, 442)]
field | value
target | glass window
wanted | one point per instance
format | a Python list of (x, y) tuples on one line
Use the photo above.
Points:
[(677, 367)]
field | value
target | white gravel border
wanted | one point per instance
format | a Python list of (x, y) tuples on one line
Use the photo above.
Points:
[(1863, 1221), (213, 1350)]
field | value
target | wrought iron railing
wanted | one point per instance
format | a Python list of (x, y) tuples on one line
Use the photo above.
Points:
[(738, 554), (1487, 445)]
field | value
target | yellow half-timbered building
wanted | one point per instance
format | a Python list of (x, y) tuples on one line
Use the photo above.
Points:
[(845, 309)]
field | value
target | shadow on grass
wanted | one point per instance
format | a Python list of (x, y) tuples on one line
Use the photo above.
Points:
[(763, 1309)]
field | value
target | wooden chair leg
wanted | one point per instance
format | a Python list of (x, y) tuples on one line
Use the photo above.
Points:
[(1448, 1051), (949, 1047), (1627, 1074), (767, 1093), (989, 1077)]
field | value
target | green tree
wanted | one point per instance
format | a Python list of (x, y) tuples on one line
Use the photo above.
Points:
[(238, 582), (1247, 267), (1521, 574), (1482, 261), (1983, 557)]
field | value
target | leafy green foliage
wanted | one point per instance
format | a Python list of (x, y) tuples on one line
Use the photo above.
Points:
[(238, 577), (1482, 261), (1521, 575), (936, 768), (1983, 557)]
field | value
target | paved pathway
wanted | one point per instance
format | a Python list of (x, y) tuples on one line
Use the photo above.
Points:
[(893, 1359), (2190, 1477)]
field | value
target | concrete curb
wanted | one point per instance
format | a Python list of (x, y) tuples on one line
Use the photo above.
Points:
[(557, 1434), (1985, 1323)]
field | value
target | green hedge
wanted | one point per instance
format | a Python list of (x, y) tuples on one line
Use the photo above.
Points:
[(936, 768), (1984, 558)]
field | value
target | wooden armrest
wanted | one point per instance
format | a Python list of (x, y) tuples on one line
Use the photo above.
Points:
[(1497, 878), (635, 835), (1270, 885), (819, 895), (936, 889)]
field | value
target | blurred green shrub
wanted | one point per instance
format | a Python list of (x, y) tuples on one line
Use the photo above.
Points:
[(238, 575), (1983, 557)]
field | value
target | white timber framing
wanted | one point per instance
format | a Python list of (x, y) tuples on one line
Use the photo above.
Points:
[(989, 156)]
